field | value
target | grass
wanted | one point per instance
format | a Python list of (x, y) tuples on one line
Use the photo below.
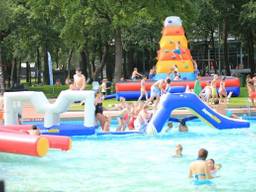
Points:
[(54, 91)]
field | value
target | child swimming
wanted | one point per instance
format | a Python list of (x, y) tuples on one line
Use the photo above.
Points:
[(178, 151), (213, 168)]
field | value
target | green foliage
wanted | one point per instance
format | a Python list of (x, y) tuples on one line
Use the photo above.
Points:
[(49, 91)]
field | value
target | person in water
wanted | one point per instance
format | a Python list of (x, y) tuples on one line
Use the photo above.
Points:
[(198, 170), (182, 123), (34, 130), (178, 150), (213, 168), (104, 121)]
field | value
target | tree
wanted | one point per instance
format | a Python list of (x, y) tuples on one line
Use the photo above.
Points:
[(5, 29), (248, 26)]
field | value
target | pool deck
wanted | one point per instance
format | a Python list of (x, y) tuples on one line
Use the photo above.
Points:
[(29, 113)]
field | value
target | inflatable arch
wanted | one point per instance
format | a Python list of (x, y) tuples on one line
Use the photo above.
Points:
[(13, 102)]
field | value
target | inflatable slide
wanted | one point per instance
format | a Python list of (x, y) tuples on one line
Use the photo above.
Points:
[(170, 101)]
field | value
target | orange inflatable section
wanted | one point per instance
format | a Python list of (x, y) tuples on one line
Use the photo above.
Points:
[(23, 144), (173, 30), (169, 42), (167, 66), (165, 54), (135, 86)]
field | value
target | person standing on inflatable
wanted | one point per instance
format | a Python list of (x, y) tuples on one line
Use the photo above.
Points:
[(197, 86), (135, 74), (222, 90), (143, 90), (214, 88), (79, 80), (155, 91)]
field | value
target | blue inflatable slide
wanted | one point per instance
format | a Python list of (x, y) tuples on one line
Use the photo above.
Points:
[(171, 101)]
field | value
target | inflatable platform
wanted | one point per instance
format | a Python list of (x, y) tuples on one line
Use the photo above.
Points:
[(131, 89), (171, 101)]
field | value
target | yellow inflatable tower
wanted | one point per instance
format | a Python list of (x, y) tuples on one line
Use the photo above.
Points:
[(174, 54)]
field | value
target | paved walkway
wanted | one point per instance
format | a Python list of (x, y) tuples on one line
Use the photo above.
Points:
[(29, 112)]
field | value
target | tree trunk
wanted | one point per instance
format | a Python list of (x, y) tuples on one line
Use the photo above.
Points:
[(226, 62), (125, 65), (251, 52), (38, 66), (57, 58), (84, 63), (46, 67), (214, 52), (130, 62), (206, 62), (118, 56), (110, 66), (18, 71), (1, 72), (102, 62), (27, 71), (14, 73), (69, 63)]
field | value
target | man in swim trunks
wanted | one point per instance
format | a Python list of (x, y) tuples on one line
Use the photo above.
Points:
[(198, 170), (79, 80), (155, 91)]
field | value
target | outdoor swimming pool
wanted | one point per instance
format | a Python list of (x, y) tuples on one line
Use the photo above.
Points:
[(137, 163)]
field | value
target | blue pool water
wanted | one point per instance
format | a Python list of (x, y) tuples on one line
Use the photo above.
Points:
[(137, 163)]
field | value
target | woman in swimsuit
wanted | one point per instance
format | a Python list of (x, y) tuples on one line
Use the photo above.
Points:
[(104, 121)]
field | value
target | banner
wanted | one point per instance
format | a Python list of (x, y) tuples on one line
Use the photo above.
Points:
[(50, 68)]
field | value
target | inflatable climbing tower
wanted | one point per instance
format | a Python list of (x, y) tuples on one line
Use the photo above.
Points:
[(172, 35)]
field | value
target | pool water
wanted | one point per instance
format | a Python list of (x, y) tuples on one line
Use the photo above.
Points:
[(137, 163)]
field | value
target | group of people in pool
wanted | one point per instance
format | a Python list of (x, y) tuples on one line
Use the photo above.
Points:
[(202, 169), (131, 116)]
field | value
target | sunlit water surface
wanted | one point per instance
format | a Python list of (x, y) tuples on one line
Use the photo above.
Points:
[(137, 163)]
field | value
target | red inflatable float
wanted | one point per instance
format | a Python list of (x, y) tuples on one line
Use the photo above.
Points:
[(23, 144), (16, 139)]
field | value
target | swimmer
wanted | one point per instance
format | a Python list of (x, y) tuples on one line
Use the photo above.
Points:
[(170, 126), (142, 119), (34, 130), (183, 127), (178, 151), (198, 170), (213, 168)]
